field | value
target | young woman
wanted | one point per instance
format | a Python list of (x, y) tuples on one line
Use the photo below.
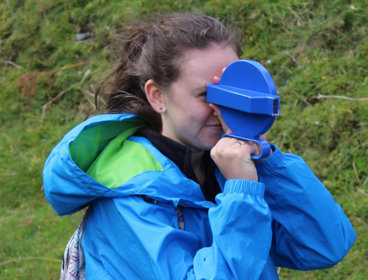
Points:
[(168, 197)]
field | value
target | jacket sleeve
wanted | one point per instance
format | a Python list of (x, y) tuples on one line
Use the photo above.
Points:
[(310, 230), (131, 239)]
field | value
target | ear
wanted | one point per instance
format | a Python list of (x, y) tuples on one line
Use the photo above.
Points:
[(155, 96)]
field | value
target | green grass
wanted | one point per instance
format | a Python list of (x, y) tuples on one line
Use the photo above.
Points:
[(311, 48)]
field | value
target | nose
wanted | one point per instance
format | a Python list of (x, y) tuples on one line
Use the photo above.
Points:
[(215, 110)]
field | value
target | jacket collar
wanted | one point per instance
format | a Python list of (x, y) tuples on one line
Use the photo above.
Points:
[(182, 156)]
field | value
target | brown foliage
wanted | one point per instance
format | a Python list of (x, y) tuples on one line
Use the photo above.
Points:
[(27, 83)]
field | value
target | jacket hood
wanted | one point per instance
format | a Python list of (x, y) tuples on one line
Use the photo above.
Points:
[(68, 188)]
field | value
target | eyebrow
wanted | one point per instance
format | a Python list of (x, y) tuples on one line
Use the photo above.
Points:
[(201, 88)]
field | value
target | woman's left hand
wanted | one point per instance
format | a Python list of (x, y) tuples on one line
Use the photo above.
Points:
[(233, 157)]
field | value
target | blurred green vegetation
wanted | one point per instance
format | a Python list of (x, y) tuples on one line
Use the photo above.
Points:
[(316, 51)]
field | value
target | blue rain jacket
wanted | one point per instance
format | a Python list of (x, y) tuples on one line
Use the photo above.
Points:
[(287, 219)]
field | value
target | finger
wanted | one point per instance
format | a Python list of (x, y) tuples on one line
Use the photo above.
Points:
[(258, 149), (252, 147), (216, 79)]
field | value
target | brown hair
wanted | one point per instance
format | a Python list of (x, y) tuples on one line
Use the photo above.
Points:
[(153, 51)]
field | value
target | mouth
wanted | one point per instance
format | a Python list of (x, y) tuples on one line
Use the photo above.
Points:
[(215, 126)]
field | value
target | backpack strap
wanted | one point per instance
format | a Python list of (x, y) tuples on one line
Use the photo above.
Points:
[(179, 213), (73, 266)]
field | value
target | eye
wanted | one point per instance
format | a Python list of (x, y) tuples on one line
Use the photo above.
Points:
[(203, 94)]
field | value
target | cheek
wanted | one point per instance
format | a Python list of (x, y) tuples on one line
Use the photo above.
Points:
[(201, 110)]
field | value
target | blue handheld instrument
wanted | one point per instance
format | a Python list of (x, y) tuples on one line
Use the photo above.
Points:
[(248, 101)]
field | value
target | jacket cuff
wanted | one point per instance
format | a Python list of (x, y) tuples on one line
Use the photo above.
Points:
[(244, 186)]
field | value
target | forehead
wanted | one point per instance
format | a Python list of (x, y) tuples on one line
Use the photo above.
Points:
[(201, 65)]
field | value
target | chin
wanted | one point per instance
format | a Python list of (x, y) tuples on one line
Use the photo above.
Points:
[(209, 144), (205, 143)]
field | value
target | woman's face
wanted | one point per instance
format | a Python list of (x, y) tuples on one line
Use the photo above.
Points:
[(188, 119)]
